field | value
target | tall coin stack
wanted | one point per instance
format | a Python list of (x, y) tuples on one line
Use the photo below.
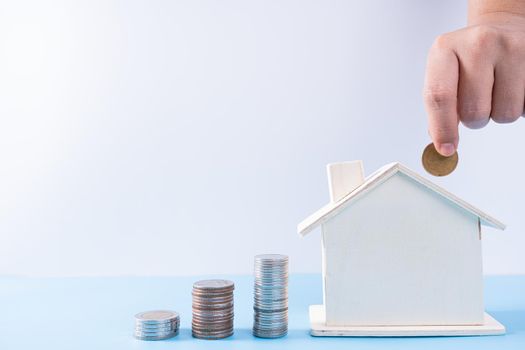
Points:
[(156, 325), (270, 296), (212, 309)]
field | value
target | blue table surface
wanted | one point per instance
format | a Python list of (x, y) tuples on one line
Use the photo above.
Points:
[(97, 313)]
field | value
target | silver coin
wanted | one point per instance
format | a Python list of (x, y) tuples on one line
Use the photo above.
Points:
[(270, 322), (270, 296), (211, 321), (212, 336), (211, 295), (270, 326), (271, 257), (209, 329), (157, 324), (156, 316), (214, 284), (277, 320), (270, 304), (212, 332), (270, 278), (139, 337), (213, 316), (211, 290), (212, 299), (207, 304), (159, 328), (270, 314), (215, 324), (216, 328), (212, 309), (150, 328), (205, 321), (277, 271), (267, 293), (270, 334), (258, 307), (155, 334), (213, 312), (210, 315)]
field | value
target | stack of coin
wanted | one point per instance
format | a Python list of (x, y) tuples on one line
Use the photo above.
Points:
[(270, 296), (156, 325), (212, 309)]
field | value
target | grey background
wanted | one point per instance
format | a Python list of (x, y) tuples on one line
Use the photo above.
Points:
[(183, 137)]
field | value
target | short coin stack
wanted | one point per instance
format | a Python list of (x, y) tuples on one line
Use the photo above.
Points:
[(156, 325), (212, 309), (270, 296)]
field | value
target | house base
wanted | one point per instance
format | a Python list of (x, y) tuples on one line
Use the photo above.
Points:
[(320, 329)]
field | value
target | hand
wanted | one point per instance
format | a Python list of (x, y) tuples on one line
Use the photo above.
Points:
[(476, 74)]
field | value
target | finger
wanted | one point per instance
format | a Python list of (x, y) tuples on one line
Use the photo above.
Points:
[(508, 94), (440, 92), (476, 78)]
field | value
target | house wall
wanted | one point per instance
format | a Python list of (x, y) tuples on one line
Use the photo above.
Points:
[(402, 255)]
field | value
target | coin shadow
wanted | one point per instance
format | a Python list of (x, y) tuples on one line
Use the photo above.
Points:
[(240, 334), (244, 334), (186, 335)]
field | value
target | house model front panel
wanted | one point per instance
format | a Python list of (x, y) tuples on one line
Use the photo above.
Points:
[(402, 255)]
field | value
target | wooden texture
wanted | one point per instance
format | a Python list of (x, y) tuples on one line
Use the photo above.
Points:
[(343, 178), (490, 326), (402, 255), (377, 178)]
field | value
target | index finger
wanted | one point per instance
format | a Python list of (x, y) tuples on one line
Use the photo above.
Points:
[(440, 93)]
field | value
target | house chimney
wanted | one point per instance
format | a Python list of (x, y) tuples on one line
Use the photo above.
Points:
[(343, 178)]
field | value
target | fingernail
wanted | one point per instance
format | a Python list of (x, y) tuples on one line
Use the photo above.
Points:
[(446, 149)]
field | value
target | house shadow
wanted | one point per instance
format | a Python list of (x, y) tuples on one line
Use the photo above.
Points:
[(513, 320)]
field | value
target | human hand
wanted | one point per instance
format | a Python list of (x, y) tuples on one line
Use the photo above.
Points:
[(476, 74)]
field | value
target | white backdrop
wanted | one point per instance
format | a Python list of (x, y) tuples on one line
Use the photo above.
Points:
[(183, 137)]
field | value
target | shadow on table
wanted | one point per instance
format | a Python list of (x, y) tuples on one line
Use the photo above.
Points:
[(241, 334), (513, 320), (246, 334)]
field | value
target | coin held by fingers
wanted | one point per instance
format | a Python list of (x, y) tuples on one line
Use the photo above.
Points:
[(437, 164)]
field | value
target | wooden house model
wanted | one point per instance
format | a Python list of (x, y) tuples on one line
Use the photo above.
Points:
[(400, 257)]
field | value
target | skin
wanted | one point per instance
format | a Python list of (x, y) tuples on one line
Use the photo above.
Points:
[(477, 73)]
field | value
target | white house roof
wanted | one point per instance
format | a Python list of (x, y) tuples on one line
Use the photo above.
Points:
[(330, 210)]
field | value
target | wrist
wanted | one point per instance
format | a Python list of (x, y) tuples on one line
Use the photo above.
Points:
[(496, 11)]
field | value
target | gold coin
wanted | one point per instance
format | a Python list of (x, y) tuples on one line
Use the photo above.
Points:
[(436, 164)]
